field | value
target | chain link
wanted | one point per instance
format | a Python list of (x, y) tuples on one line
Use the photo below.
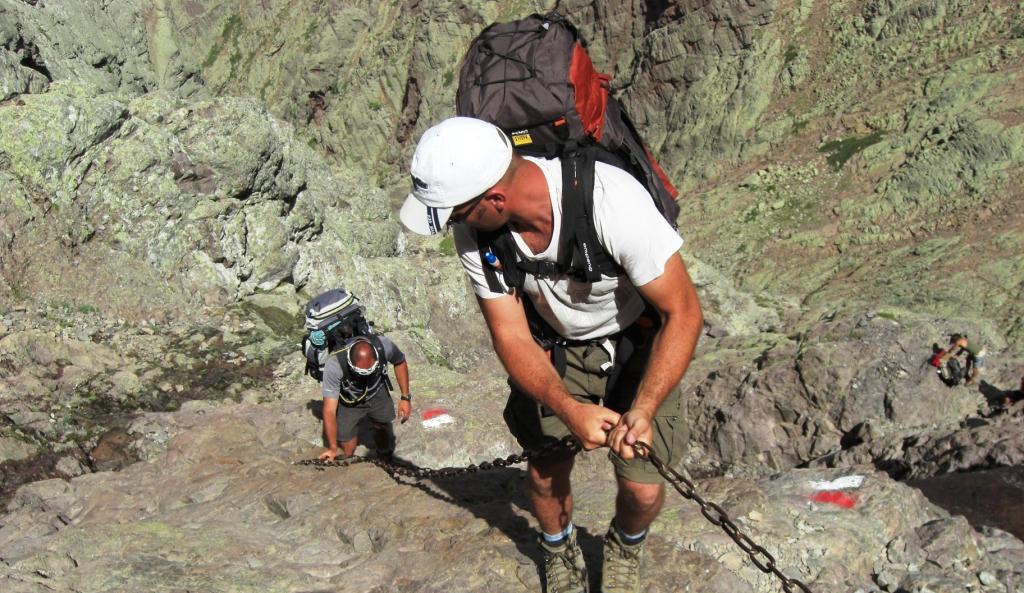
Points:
[(322, 464), (567, 444), (714, 513)]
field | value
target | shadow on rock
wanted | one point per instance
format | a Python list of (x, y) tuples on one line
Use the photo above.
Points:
[(316, 408), (994, 396), (497, 497)]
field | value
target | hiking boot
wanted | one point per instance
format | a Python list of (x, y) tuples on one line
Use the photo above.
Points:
[(564, 570), (621, 570)]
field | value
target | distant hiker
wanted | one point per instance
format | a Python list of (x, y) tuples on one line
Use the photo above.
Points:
[(975, 355), (599, 360), (350, 359), (355, 387), (949, 368)]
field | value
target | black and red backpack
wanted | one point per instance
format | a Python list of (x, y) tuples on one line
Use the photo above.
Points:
[(533, 79)]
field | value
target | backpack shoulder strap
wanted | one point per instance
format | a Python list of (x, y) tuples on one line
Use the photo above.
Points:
[(349, 389), (343, 363), (500, 245), (579, 251), (485, 246), (382, 358), (382, 367)]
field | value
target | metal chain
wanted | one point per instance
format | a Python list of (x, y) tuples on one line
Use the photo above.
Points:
[(322, 464), (393, 468), (566, 444), (714, 513)]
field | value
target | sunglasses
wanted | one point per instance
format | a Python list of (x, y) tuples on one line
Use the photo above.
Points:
[(462, 211)]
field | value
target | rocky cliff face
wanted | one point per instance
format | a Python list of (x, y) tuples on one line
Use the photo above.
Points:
[(855, 151), (178, 176)]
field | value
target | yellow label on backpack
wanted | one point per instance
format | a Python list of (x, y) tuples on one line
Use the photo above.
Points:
[(521, 138)]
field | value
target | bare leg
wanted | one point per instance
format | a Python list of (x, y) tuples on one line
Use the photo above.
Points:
[(637, 505), (550, 494), (383, 436), (349, 447)]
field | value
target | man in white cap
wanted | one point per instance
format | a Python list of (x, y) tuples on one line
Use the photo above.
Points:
[(466, 175)]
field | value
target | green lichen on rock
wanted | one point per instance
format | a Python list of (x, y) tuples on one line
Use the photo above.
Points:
[(103, 45), (46, 135), (839, 151), (205, 199), (924, 95), (705, 128)]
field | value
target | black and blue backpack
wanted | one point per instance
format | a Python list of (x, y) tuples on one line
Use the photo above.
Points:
[(333, 319)]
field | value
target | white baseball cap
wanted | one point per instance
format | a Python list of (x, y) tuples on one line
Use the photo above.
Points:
[(455, 161)]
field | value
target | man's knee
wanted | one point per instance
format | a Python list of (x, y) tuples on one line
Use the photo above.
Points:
[(641, 496), (550, 479), (348, 447)]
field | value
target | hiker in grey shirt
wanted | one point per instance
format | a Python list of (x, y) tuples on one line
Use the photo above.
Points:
[(356, 386)]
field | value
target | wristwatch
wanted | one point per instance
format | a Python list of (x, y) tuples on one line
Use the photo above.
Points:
[(407, 398)]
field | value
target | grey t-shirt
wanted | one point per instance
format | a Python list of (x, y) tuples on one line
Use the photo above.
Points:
[(333, 372)]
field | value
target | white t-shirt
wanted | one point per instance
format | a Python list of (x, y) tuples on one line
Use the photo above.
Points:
[(631, 230)]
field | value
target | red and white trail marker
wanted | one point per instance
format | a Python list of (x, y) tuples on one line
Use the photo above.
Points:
[(833, 491), (436, 418)]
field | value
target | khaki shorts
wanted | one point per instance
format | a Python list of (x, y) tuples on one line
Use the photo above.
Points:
[(534, 425)]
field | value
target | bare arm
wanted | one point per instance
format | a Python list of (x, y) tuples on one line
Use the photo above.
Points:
[(402, 375), (672, 294), (531, 370), (330, 415)]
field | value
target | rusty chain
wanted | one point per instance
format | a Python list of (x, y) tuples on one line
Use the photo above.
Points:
[(322, 464), (567, 443), (714, 513)]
